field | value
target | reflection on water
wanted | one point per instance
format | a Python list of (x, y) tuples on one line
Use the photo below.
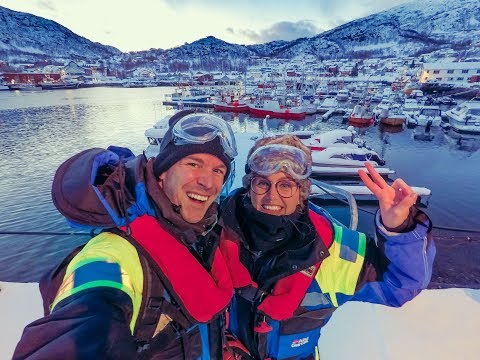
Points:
[(463, 142), (40, 130), (391, 129)]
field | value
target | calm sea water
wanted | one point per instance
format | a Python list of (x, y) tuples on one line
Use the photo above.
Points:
[(39, 130)]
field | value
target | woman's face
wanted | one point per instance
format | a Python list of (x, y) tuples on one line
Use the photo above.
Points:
[(265, 196)]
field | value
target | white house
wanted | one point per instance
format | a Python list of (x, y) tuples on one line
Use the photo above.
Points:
[(455, 73)]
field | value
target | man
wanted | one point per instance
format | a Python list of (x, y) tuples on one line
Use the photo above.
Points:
[(155, 284)]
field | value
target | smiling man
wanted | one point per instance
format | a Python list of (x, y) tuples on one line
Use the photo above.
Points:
[(154, 285)]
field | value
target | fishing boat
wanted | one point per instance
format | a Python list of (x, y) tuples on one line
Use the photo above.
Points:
[(274, 109), (230, 103), (361, 115), (24, 87), (389, 113), (59, 85), (187, 95)]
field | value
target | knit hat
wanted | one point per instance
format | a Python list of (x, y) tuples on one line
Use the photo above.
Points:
[(170, 152)]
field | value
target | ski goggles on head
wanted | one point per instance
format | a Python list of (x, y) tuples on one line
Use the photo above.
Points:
[(200, 128), (273, 158)]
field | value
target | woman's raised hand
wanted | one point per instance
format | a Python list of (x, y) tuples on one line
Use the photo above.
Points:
[(394, 200)]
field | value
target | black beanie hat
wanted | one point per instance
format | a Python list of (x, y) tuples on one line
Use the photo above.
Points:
[(170, 153)]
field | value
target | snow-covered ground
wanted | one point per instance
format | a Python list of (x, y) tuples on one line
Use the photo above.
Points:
[(437, 324)]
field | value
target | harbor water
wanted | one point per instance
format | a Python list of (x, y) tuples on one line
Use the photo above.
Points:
[(39, 130)]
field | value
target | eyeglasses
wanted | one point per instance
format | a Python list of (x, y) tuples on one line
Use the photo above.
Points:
[(285, 188), (270, 159), (200, 128)]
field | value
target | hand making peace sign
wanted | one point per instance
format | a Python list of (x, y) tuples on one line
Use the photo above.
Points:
[(395, 200)]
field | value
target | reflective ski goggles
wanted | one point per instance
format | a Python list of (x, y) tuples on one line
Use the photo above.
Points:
[(200, 128), (273, 158)]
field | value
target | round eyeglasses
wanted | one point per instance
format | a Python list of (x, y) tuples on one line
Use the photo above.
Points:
[(286, 188)]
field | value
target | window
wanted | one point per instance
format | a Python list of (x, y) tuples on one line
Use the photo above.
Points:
[(428, 71), (478, 71), (464, 71), (459, 79), (450, 72), (436, 71)]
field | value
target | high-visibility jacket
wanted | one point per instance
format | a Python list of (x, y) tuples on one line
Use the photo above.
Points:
[(285, 322), (144, 295)]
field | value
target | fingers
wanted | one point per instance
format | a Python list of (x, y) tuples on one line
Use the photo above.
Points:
[(375, 183), (401, 185), (369, 183), (409, 200), (404, 194), (376, 176)]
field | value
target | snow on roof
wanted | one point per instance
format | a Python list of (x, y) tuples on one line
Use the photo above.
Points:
[(451, 66)]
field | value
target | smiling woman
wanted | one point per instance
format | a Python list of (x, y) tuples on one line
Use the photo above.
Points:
[(291, 261)]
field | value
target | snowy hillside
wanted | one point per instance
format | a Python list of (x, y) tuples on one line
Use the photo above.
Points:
[(407, 30), (32, 37)]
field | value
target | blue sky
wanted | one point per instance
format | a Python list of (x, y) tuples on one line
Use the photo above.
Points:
[(145, 24)]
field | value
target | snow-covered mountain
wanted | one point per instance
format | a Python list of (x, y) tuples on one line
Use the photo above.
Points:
[(407, 30), (26, 36)]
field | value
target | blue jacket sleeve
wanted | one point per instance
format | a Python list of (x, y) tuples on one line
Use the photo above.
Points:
[(397, 265), (92, 324)]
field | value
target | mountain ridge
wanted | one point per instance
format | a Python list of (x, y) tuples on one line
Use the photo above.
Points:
[(409, 29)]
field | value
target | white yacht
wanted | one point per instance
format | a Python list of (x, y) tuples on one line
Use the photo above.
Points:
[(465, 116)]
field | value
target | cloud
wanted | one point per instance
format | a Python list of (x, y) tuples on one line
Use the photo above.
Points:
[(283, 30)]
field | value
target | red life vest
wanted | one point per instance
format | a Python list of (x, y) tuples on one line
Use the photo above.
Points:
[(289, 291), (200, 293)]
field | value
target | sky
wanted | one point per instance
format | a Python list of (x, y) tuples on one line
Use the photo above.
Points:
[(145, 24)]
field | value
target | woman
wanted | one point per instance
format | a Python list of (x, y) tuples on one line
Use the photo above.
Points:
[(293, 266)]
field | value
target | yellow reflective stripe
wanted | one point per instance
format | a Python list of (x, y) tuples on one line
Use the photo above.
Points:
[(337, 275), (109, 248)]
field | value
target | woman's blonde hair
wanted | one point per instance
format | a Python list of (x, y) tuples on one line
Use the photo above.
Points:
[(304, 185)]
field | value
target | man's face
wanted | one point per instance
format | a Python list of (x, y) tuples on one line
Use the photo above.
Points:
[(193, 183)]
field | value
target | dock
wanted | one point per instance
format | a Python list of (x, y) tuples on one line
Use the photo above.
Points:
[(346, 171), (188, 104), (362, 193), (332, 112)]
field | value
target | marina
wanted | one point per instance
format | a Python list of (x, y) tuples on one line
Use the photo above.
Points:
[(363, 85), (57, 124)]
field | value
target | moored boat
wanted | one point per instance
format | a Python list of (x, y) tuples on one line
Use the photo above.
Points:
[(273, 109), (361, 115), (427, 116), (232, 103), (59, 85), (24, 87), (466, 116)]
